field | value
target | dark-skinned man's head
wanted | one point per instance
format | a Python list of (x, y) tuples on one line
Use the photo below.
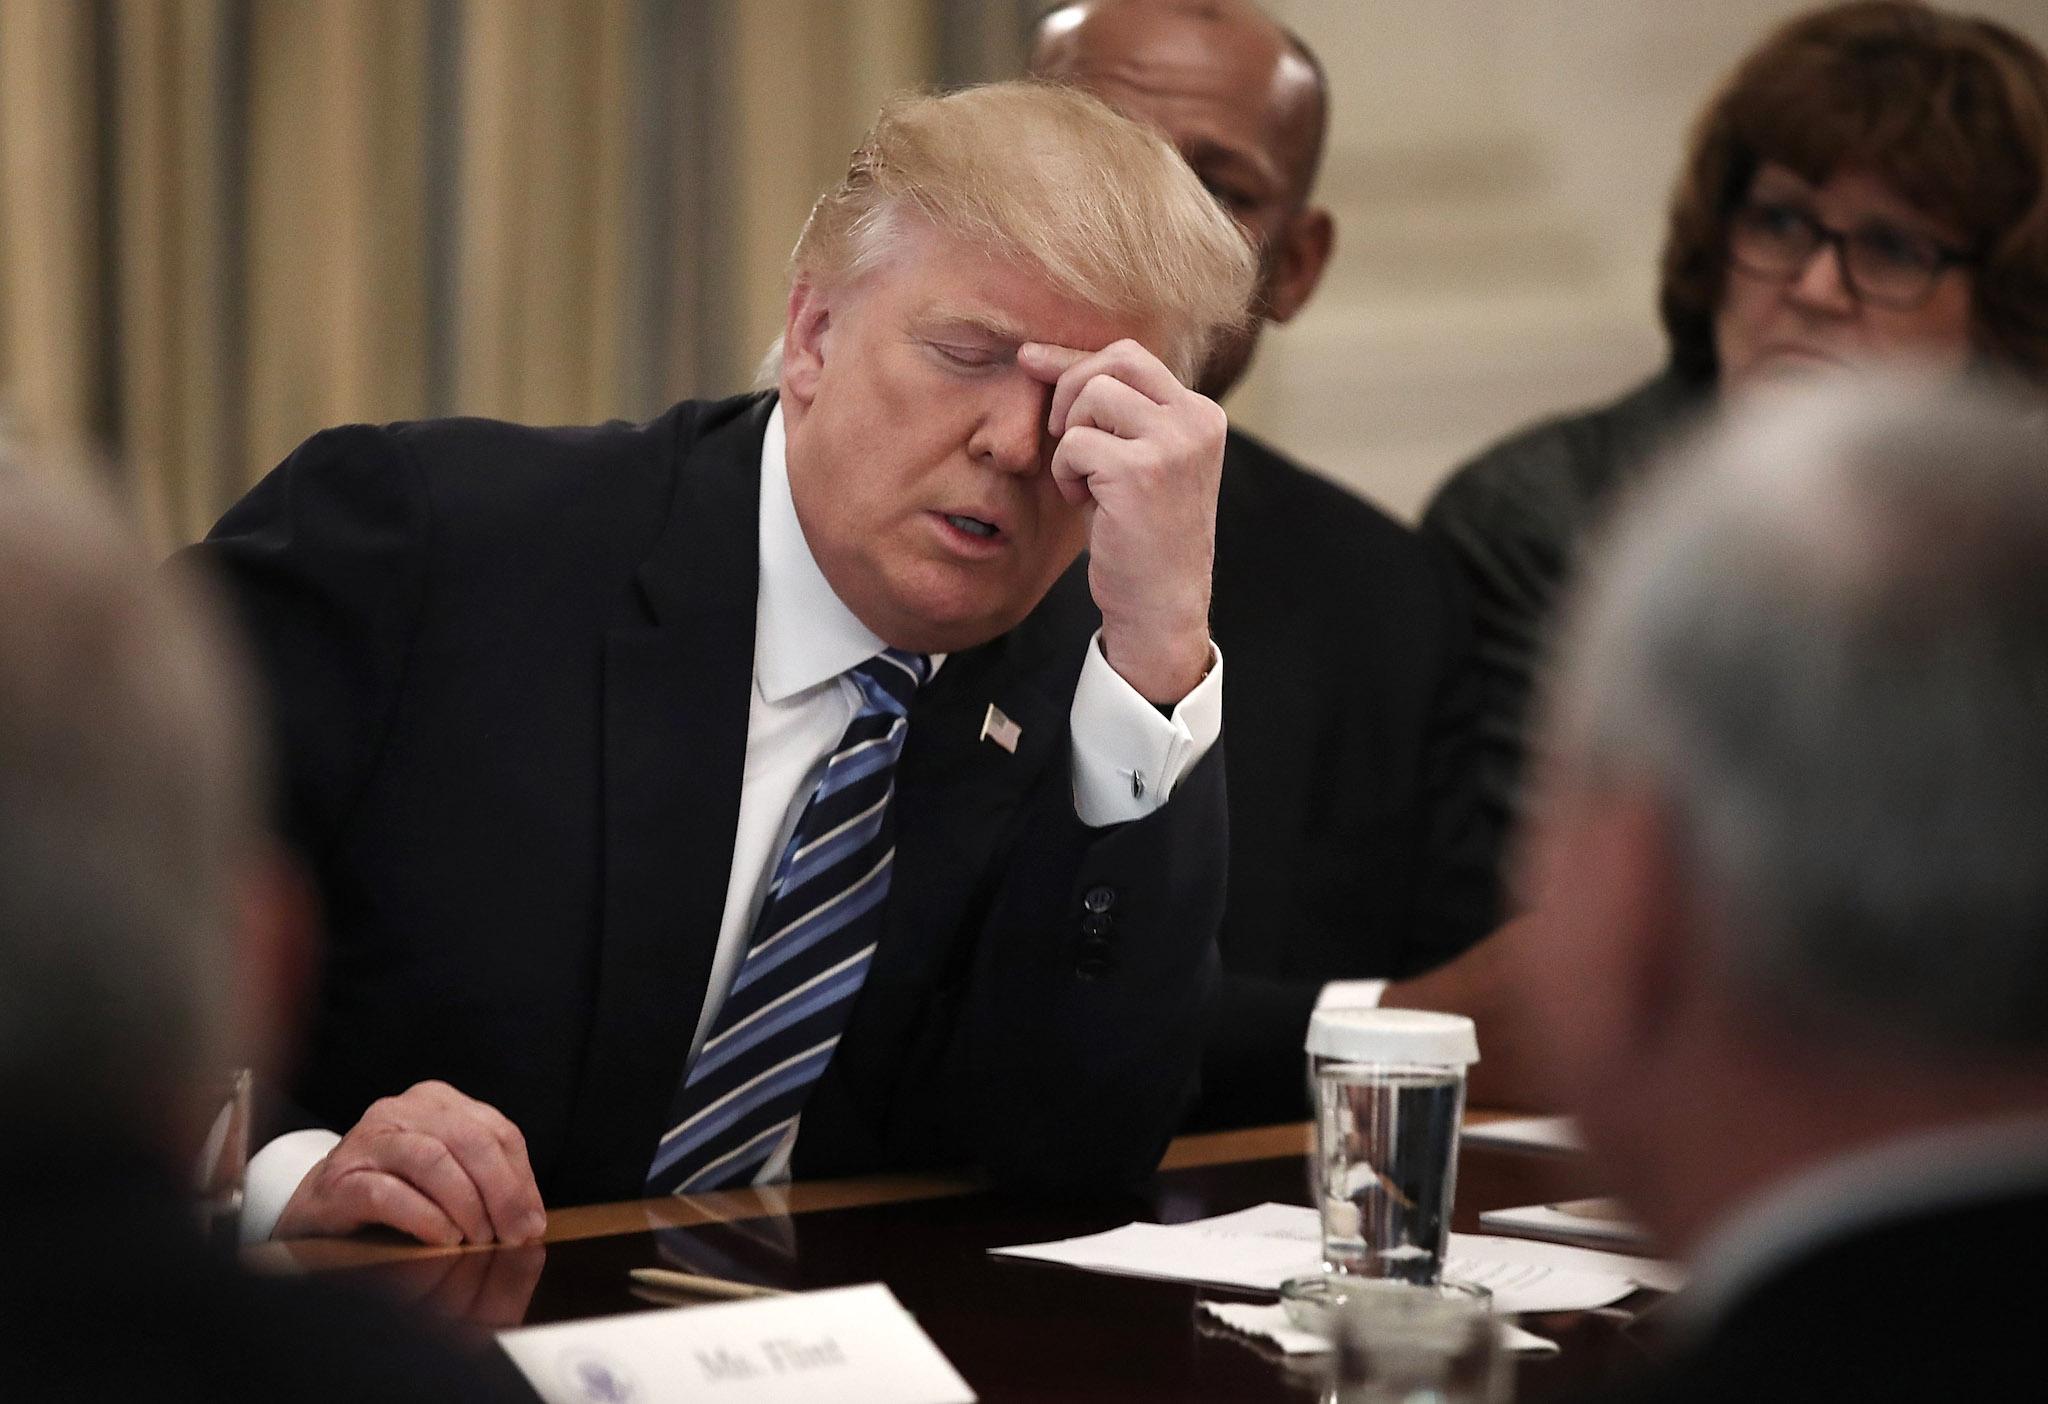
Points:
[(1243, 100)]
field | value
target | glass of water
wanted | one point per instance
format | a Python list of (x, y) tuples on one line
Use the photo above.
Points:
[(1397, 1343), (1389, 1096), (223, 1160)]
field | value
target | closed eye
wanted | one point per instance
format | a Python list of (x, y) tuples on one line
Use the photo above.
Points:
[(966, 357)]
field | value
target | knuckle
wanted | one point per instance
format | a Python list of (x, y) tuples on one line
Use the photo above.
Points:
[(467, 1141), (378, 1194)]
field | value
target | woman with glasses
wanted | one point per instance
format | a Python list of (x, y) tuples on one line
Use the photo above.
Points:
[(1867, 185)]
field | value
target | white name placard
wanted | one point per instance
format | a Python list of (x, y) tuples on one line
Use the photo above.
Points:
[(854, 1344)]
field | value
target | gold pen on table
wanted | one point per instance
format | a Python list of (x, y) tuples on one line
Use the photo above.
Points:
[(671, 1281)]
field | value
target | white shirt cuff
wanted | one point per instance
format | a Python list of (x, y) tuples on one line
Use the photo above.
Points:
[(1127, 757), (273, 1178), (1351, 994)]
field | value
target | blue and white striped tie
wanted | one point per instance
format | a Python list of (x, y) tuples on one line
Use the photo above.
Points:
[(809, 953)]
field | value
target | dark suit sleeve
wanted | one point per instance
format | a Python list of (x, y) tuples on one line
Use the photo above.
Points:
[(323, 563), (1254, 1070), (1513, 557), (1075, 1050), (1458, 892), (1252, 1061)]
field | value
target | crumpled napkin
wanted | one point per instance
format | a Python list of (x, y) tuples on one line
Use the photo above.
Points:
[(1270, 1323)]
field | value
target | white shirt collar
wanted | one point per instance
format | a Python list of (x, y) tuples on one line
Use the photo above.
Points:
[(804, 634)]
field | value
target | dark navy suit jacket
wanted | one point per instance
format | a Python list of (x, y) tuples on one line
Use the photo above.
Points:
[(510, 671)]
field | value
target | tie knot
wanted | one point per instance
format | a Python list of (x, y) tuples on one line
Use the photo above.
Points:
[(891, 678)]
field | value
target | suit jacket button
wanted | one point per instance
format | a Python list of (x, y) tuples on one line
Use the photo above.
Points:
[(1095, 924), (1094, 967), (1099, 899)]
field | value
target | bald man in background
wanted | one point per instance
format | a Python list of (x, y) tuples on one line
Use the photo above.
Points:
[(1354, 852)]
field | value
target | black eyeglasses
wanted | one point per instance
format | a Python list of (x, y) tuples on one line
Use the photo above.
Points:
[(1882, 263)]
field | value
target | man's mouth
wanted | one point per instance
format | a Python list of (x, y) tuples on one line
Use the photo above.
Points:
[(973, 526)]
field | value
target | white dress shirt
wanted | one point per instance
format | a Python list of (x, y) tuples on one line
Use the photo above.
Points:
[(805, 641)]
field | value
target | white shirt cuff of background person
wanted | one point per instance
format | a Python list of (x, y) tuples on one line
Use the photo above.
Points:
[(1128, 756), (273, 1176), (1116, 733), (1351, 994)]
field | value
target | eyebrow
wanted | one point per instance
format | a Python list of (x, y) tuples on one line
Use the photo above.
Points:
[(1238, 161), (948, 321), (1780, 185)]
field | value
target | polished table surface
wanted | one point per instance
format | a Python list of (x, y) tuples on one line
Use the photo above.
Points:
[(1015, 1330)]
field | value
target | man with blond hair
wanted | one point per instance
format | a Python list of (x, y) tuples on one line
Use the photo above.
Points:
[(765, 789)]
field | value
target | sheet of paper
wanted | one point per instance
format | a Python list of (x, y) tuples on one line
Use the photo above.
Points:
[(1552, 1133), (1655, 1273), (1259, 1248), (849, 1344), (1602, 1221)]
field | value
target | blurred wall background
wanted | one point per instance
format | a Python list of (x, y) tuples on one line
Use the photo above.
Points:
[(227, 223)]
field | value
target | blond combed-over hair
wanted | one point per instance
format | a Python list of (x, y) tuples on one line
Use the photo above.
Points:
[(1051, 179)]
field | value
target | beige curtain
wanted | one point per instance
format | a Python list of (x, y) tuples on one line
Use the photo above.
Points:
[(225, 224)]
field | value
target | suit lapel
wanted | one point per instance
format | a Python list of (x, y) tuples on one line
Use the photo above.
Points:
[(958, 792), (676, 694)]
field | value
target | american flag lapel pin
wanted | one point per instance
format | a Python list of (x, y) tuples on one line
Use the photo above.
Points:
[(1000, 729)]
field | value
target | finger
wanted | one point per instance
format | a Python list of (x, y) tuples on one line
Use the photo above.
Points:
[(491, 1151), (365, 1197), (1128, 362), (1083, 452), (1109, 404), (1045, 361), (427, 1163), (509, 1195), (514, 1141)]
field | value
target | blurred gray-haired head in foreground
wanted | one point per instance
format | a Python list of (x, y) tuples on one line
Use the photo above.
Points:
[(127, 828), (1791, 852)]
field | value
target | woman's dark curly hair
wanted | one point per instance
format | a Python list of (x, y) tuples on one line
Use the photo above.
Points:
[(1951, 112)]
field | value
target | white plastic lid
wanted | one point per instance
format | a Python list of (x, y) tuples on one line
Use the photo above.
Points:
[(1419, 1036)]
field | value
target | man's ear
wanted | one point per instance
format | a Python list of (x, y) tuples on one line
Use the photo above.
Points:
[(804, 339), (1304, 251)]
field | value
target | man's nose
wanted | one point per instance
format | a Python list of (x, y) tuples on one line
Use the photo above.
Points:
[(1823, 283), (1010, 435)]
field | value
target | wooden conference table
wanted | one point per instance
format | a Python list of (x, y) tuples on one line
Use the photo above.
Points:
[(1015, 1330)]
